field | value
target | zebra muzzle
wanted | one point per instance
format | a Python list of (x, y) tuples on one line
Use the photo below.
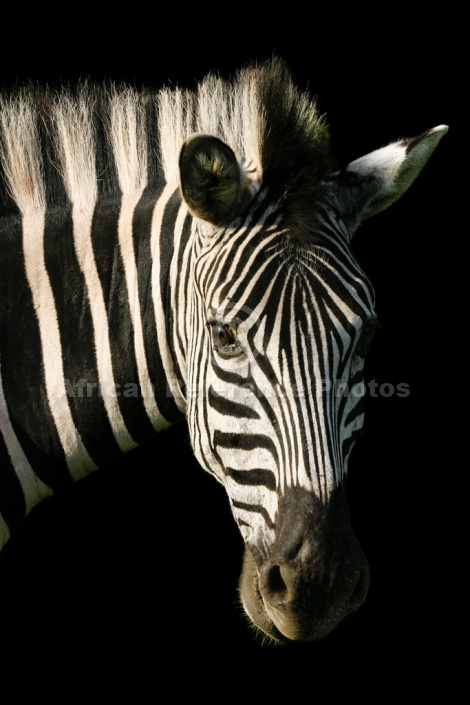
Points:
[(315, 574)]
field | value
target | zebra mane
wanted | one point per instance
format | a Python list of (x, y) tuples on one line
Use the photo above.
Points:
[(78, 142)]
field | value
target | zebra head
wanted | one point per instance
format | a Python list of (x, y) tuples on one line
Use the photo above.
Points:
[(280, 319)]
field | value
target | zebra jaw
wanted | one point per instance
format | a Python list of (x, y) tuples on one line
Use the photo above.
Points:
[(314, 576)]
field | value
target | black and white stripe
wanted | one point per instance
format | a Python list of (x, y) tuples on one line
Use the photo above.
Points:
[(81, 298)]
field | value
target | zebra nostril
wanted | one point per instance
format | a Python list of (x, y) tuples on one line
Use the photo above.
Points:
[(275, 583), (274, 586)]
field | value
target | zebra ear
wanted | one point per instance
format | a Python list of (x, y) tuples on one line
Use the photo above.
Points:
[(214, 185), (372, 183)]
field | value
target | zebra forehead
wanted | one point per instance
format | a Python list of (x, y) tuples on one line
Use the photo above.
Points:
[(286, 271), (118, 136)]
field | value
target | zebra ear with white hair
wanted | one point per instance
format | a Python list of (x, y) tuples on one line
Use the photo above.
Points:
[(214, 184), (373, 182)]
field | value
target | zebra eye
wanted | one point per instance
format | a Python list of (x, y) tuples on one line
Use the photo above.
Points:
[(366, 337), (223, 338)]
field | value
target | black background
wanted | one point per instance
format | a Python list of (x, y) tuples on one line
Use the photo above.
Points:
[(130, 578)]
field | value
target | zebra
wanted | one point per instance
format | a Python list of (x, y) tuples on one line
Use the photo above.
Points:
[(173, 256)]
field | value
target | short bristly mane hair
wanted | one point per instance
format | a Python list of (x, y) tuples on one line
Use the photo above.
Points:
[(104, 139)]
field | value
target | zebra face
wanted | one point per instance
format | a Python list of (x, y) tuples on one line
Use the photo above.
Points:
[(275, 404)]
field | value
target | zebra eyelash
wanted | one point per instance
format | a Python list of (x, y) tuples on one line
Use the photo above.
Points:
[(367, 335)]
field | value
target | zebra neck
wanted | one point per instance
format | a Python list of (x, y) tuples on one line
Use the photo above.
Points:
[(87, 370)]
